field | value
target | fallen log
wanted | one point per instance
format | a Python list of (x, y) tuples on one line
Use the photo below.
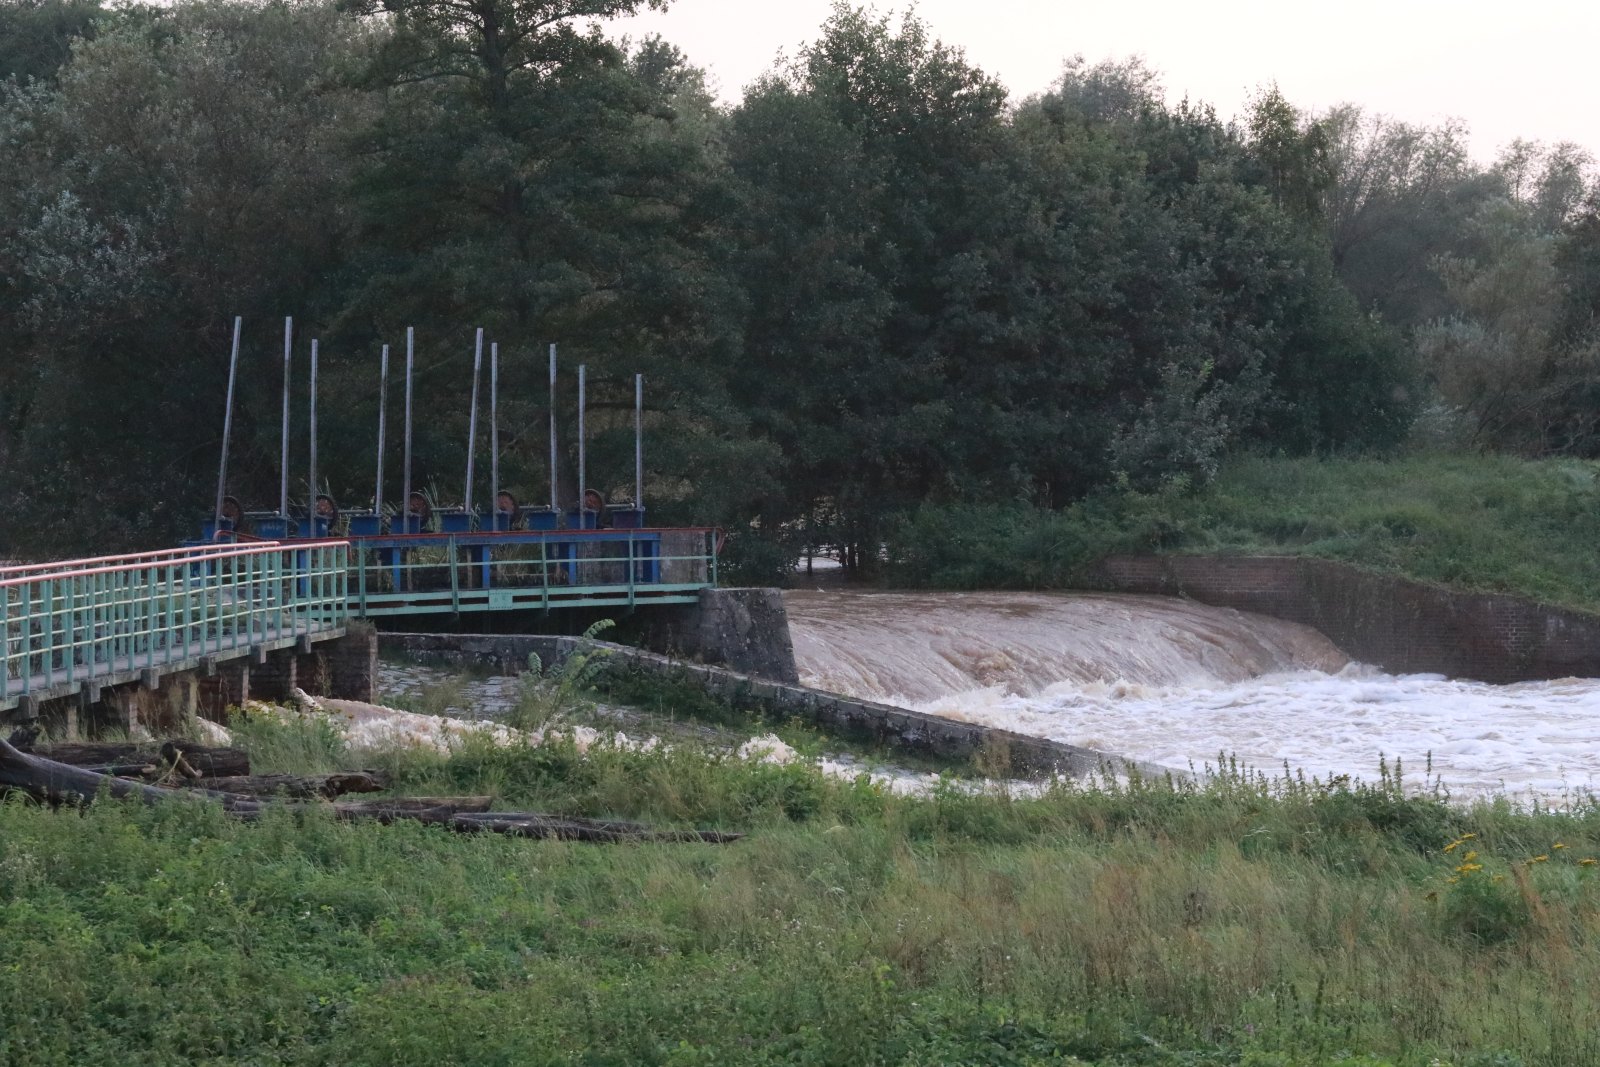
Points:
[(525, 824), (127, 770), (207, 761), (451, 805), (296, 786), (58, 783)]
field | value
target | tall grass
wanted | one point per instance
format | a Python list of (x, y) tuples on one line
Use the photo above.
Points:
[(1486, 523), (1154, 922)]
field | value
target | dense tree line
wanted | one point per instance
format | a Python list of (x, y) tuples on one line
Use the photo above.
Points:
[(876, 282)]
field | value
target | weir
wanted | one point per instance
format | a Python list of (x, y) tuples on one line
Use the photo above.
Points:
[(1167, 681)]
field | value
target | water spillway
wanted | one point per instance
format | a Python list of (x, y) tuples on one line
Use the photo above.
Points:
[(1177, 683)]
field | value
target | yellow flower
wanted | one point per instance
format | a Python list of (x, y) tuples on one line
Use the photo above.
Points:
[(1468, 837), (1557, 845), (1469, 857), (1452, 846), (1453, 879), (1541, 859), (1468, 868), (1586, 862)]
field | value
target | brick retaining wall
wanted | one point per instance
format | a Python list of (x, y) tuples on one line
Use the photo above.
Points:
[(1401, 625)]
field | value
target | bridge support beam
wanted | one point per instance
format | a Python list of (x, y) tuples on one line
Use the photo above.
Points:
[(353, 663), (227, 686), (276, 678)]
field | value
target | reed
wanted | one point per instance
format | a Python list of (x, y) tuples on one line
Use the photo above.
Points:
[(1245, 920)]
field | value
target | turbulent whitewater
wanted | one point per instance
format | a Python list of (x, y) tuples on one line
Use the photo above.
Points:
[(1176, 683)]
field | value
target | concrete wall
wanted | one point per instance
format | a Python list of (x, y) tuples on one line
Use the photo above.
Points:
[(1398, 624), (745, 630), (995, 752)]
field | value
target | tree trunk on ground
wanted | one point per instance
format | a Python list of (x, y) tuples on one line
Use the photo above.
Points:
[(213, 762), (453, 805), (58, 783), (296, 786)]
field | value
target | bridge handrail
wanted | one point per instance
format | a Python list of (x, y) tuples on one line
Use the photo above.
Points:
[(194, 555), (156, 555), (66, 628)]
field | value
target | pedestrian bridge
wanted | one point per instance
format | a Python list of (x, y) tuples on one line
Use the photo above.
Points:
[(75, 627)]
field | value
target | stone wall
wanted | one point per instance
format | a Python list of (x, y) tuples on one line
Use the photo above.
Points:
[(995, 752), (1401, 625), (746, 630)]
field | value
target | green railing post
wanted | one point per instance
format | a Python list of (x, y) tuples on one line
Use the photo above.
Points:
[(633, 567), (5, 643), (47, 623), (455, 576)]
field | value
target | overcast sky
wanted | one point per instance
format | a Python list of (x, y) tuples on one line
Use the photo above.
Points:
[(1519, 69)]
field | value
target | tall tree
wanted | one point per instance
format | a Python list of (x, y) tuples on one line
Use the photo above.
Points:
[(532, 176), (185, 167), (36, 36)]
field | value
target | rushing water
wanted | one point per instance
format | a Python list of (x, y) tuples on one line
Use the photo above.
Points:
[(1176, 683)]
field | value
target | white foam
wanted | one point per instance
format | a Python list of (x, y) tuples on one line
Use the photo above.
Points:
[(1534, 739)]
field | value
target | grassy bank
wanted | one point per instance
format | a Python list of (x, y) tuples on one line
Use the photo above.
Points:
[(1490, 524), (1236, 923)]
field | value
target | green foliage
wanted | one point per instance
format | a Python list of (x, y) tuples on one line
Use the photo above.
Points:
[(1155, 923), (873, 286), (1483, 523), (290, 743), (551, 695), (36, 36)]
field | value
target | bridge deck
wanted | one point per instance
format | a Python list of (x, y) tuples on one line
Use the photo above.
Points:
[(71, 679), (83, 624), (80, 625)]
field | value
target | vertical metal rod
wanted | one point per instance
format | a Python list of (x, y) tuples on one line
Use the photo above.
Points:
[(405, 489), (494, 434), (311, 477), (383, 413), (227, 422), (638, 440), (472, 420), (583, 483), (553, 502), (283, 462)]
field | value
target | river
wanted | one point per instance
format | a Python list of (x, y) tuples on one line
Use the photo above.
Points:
[(1177, 683)]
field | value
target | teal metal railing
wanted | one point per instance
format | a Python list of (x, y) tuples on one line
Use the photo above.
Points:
[(410, 574), (97, 620)]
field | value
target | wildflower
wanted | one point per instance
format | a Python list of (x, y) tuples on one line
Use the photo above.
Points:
[(1469, 857), (1468, 868), (1541, 859), (1589, 862), (1452, 846), (1556, 846), (1469, 837), (1453, 879)]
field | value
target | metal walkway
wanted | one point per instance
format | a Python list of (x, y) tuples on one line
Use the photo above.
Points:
[(76, 626), (540, 570)]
